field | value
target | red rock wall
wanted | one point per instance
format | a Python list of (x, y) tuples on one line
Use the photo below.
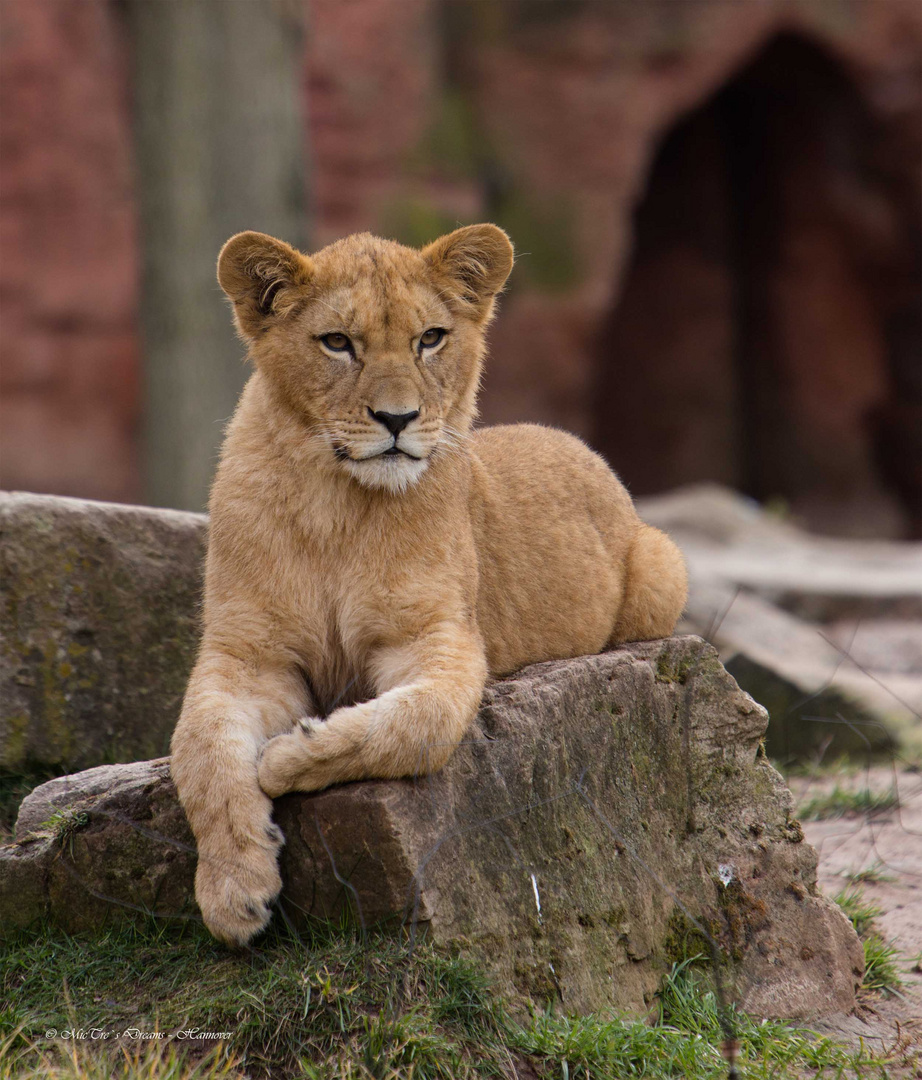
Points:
[(370, 79), (579, 99), (547, 117), (68, 282)]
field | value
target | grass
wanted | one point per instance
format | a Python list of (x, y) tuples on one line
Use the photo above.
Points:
[(861, 913), (142, 1063), (875, 874), (881, 973), (686, 1040), (847, 802), (330, 1005), (14, 787)]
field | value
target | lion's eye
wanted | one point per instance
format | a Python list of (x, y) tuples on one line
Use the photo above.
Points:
[(337, 342), (431, 337)]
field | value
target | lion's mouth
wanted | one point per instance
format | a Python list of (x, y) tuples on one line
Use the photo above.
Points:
[(342, 453), (398, 451)]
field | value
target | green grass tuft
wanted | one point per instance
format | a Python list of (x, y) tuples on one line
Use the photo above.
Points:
[(847, 802), (875, 874), (881, 973), (861, 913), (686, 1040)]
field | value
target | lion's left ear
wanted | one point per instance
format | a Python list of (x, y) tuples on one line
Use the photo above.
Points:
[(473, 263)]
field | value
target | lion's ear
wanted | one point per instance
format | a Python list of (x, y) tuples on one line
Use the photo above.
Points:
[(263, 277), (473, 263)]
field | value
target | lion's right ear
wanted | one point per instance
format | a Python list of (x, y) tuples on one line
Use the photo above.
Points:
[(263, 277)]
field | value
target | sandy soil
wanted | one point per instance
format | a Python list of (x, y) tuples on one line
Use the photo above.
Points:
[(889, 845)]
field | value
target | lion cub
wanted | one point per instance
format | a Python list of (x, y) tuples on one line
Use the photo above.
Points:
[(372, 560)]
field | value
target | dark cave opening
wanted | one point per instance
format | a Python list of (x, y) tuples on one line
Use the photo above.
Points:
[(768, 332)]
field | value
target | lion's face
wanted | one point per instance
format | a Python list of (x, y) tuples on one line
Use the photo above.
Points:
[(377, 347)]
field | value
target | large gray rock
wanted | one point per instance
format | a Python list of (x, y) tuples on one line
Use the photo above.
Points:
[(728, 539), (884, 646), (820, 695), (98, 628), (606, 815), (755, 584)]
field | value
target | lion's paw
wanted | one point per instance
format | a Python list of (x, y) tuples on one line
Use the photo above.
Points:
[(236, 894), (287, 763)]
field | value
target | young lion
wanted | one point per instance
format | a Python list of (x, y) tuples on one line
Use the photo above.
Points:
[(372, 559)]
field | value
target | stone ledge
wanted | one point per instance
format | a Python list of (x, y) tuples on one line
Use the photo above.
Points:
[(99, 628), (591, 796)]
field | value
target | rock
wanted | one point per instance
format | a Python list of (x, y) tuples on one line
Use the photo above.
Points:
[(98, 628), (754, 585), (819, 699), (50, 805), (729, 540), (109, 842), (881, 645), (606, 815)]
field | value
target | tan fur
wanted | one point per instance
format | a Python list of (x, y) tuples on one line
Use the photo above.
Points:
[(380, 592)]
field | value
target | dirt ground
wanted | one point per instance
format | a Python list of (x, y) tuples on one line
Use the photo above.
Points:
[(887, 845)]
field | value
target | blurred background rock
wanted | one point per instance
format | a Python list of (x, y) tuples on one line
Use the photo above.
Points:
[(717, 208)]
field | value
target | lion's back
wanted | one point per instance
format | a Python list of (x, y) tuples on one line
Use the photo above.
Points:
[(553, 526)]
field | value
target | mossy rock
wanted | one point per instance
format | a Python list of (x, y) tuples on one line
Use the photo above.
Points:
[(98, 629), (606, 816)]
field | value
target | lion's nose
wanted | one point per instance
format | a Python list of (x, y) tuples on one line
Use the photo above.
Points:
[(394, 422)]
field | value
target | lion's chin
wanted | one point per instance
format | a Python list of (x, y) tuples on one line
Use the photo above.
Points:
[(394, 473)]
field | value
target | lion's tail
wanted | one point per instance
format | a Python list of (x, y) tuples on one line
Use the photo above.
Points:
[(655, 591)]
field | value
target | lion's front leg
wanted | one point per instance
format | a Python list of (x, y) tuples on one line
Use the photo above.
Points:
[(428, 694), (231, 708)]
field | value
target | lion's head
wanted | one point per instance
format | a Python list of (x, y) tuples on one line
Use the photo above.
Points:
[(377, 347)]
